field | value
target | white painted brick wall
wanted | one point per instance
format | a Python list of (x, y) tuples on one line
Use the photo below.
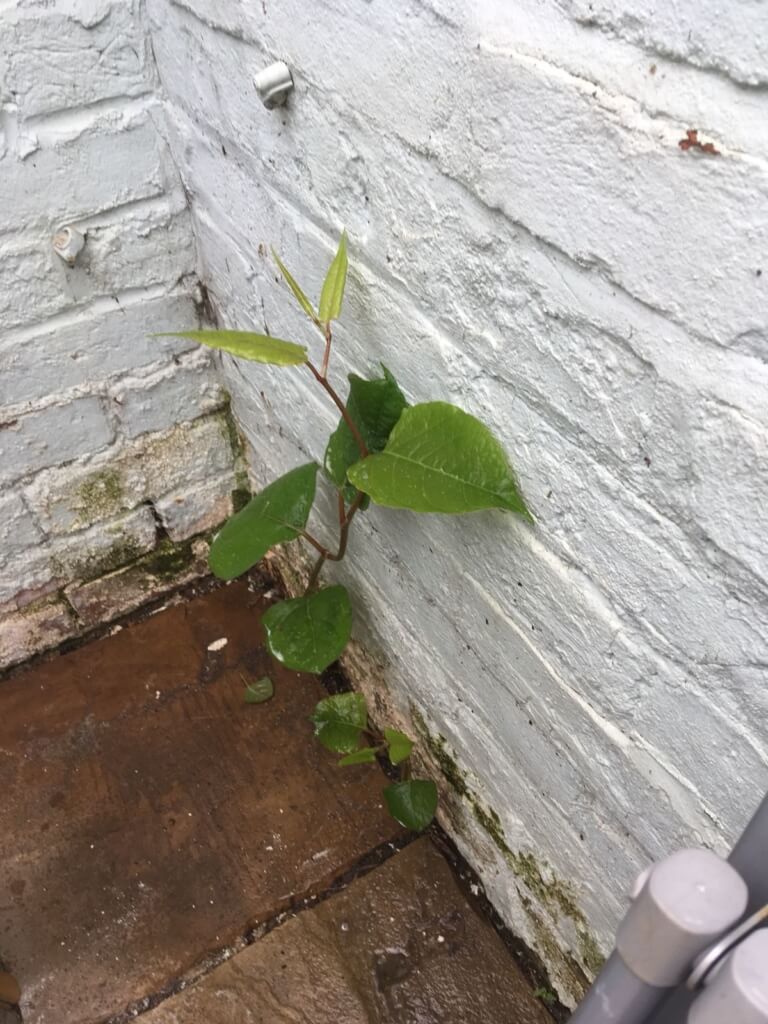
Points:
[(529, 241), (103, 429)]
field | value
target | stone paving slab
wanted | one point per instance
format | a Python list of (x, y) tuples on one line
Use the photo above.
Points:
[(150, 817), (399, 946)]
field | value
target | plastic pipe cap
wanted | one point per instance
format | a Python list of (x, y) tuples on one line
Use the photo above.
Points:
[(738, 989), (68, 243), (274, 84), (687, 901)]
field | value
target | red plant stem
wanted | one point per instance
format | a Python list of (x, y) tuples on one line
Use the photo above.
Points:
[(345, 516), (325, 554), (316, 544), (341, 407)]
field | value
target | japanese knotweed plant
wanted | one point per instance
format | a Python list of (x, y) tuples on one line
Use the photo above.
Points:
[(429, 457)]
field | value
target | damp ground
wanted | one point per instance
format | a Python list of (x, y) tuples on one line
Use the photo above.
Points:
[(173, 855)]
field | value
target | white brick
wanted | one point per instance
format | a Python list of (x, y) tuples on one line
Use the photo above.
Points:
[(104, 547), (727, 498), (104, 599), (25, 633), (662, 86), (53, 60), (731, 39), (68, 499), (507, 291), (166, 398), (52, 436), (199, 509), (107, 166), (584, 375), (78, 146), (530, 160), (93, 348), (190, 452), (18, 529), (81, 556), (144, 248)]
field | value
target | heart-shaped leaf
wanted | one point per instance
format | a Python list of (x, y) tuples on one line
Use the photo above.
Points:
[(259, 348), (309, 633), (366, 755), (375, 407), (412, 803), (301, 298), (339, 720), (440, 459), (332, 294), (260, 691), (400, 746), (276, 515)]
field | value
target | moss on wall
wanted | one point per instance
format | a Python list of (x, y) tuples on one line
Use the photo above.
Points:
[(241, 493), (89, 567), (100, 496), (539, 888), (169, 559)]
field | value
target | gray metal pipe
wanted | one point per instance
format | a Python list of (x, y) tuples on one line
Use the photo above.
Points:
[(750, 858), (679, 906), (618, 997)]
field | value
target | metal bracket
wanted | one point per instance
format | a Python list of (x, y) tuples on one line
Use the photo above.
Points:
[(274, 84), (709, 960)]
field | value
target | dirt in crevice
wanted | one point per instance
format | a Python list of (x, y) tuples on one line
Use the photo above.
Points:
[(263, 583), (363, 866)]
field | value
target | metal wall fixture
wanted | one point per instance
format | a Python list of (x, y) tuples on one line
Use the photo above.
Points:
[(274, 84), (666, 968), (68, 243)]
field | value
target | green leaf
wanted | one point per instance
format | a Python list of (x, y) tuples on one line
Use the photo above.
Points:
[(412, 803), (363, 756), (276, 515), (302, 299), (309, 632), (258, 692), (440, 459), (260, 348), (400, 746), (339, 721), (374, 406), (333, 287)]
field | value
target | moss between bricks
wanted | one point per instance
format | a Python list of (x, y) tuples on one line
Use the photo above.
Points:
[(121, 553), (169, 559), (551, 892), (100, 496), (241, 493), (572, 972)]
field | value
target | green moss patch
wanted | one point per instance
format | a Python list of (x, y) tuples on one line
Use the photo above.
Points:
[(168, 560), (553, 894), (90, 567), (100, 496)]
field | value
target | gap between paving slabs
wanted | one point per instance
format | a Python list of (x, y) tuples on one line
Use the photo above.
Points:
[(399, 945), (368, 862), (335, 680), (200, 965), (150, 818)]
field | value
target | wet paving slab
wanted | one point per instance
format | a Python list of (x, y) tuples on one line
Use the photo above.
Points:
[(150, 819), (401, 945)]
